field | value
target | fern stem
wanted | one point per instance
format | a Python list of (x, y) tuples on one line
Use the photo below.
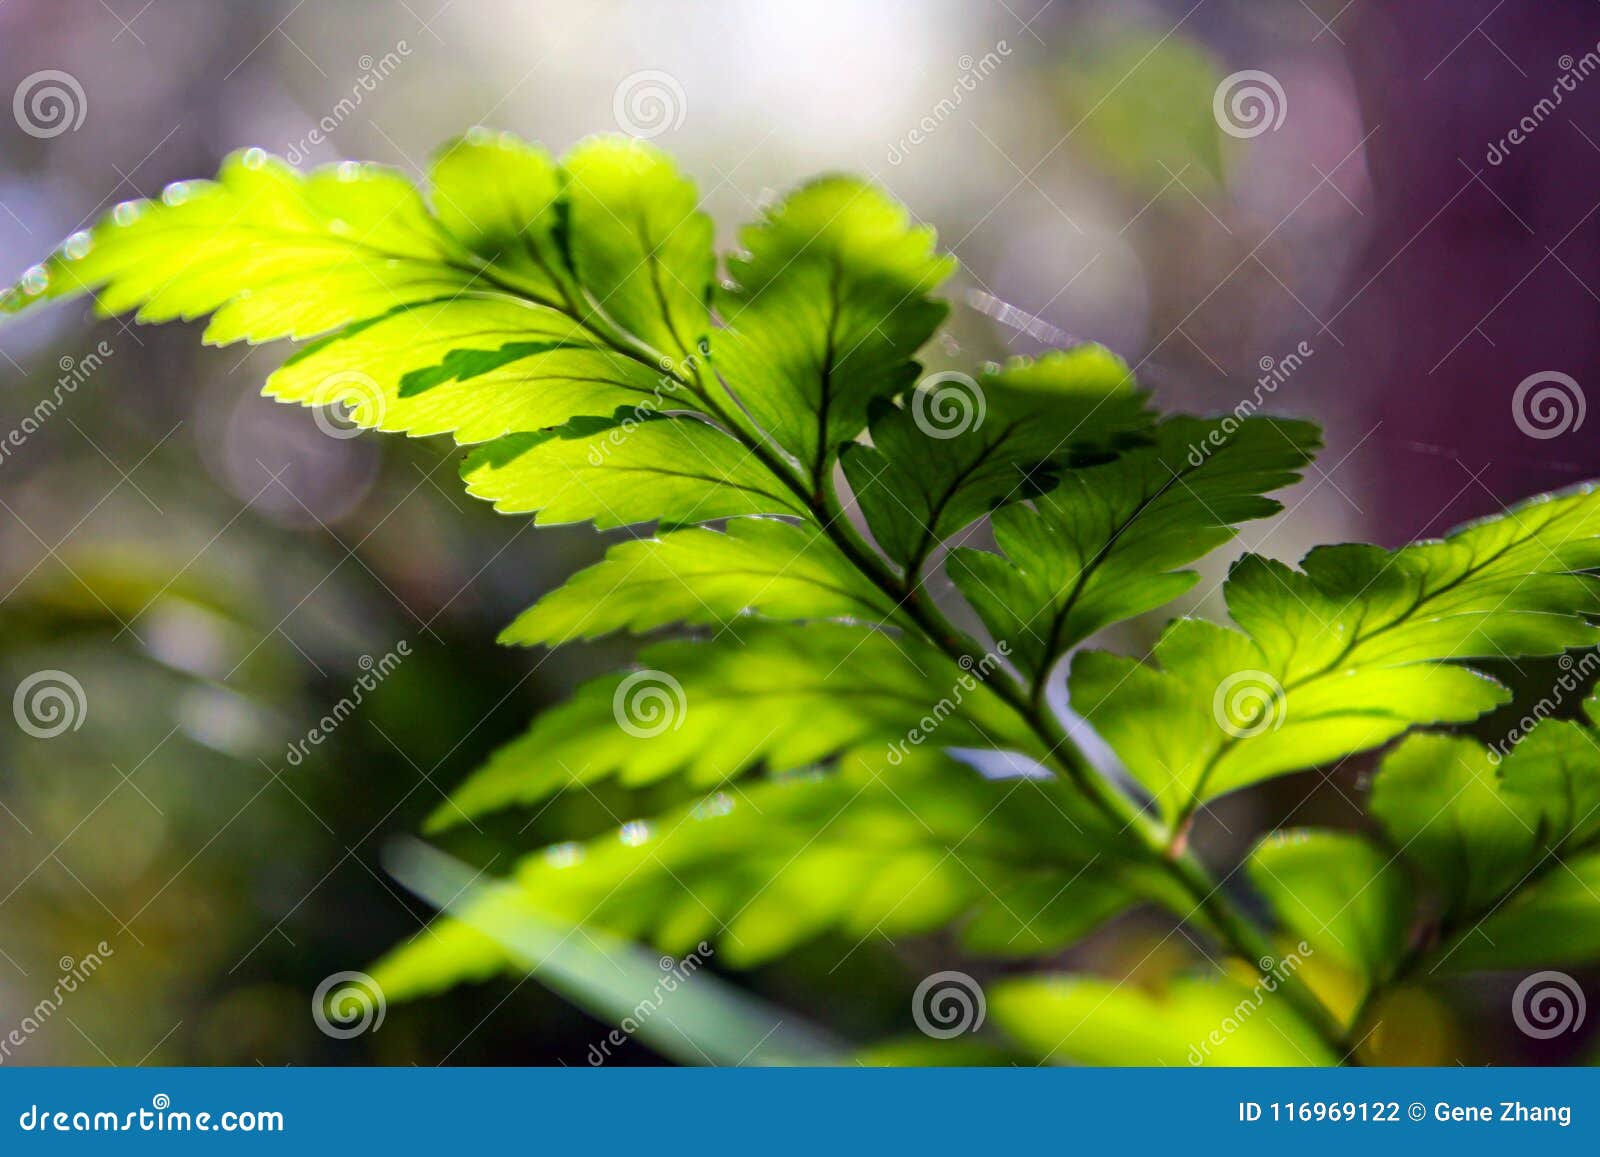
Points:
[(1224, 918)]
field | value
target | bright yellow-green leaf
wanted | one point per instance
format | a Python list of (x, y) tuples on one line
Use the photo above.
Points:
[(704, 577), (1347, 653), (958, 447), (1217, 1021), (829, 303), (616, 472), (1347, 898)]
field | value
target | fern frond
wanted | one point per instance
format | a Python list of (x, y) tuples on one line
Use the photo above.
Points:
[(762, 694), (564, 319), (705, 578), (1101, 546), (1509, 846), (1347, 653), (874, 847), (958, 448)]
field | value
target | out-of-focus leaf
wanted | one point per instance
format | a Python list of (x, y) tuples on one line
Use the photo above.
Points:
[(1141, 104), (876, 847), (1440, 802), (767, 694), (1214, 1021), (1345, 896), (678, 1008)]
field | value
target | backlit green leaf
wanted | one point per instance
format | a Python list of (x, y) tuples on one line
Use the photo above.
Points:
[(704, 577), (1220, 1021), (613, 472), (1102, 545), (957, 448), (829, 303), (1345, 896), (1347, 653), (877, 848), (760, 694)]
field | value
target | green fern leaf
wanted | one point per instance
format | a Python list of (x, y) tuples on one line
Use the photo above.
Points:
[(615, 471), (1510, 847), (1345, 897), (762, 693), (1439, 799), (1347, 654), (826, 309), (1215, 1021), (501, 198), (1556, 769), (271, 252), (481, 285), (875, 847), (705, 578), (1102, 546), (957, 449), (639, 243), (1551, 921), (477, 367), (565, 320)]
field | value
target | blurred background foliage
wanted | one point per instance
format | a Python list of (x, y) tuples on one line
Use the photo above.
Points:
[(217, 571)]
